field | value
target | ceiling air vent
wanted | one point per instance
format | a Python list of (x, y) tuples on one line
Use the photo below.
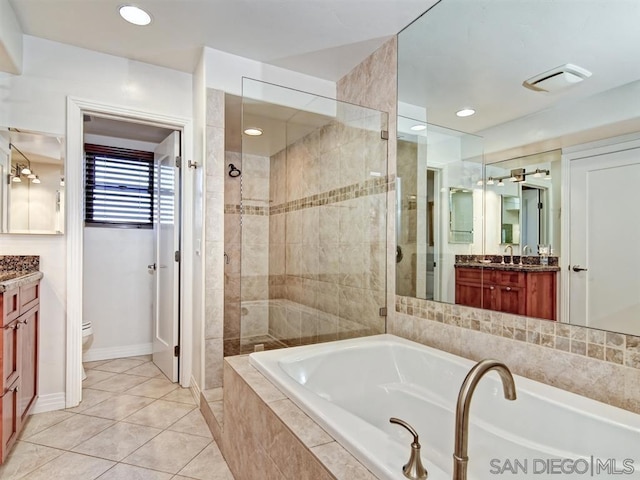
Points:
[(557, 78)]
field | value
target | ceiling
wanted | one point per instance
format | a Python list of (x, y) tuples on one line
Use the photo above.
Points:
[(322, 38), (477, 53)]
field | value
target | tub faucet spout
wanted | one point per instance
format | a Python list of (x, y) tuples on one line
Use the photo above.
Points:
[(460, 458)]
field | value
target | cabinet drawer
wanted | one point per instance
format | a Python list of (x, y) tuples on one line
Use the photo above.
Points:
[(10, 305), (469, 275), (29, 296), (512, 279)]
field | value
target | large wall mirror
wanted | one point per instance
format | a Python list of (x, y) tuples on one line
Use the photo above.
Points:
[(494, 99), (32, 193)]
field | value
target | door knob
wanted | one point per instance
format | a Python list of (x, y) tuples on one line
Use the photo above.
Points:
[(151, 267), (578, 268)]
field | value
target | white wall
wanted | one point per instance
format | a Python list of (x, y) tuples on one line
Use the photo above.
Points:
[(10, 39), (118, 291), (36, 100), (224, 71)]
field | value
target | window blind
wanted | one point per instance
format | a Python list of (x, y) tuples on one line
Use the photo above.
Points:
[(119, 187)]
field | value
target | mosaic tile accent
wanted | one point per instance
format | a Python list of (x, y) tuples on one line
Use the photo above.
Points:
[(616, 348), (373, 186), (19, 263)]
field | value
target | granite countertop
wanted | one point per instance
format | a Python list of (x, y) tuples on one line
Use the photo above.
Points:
[(507, 267), (11, 279)]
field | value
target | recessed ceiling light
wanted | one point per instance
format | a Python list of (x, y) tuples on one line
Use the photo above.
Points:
[(253, 131), (135, 15), (419, 128), (465, 112)]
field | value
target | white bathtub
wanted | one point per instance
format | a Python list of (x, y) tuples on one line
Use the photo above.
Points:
[(352, 388)]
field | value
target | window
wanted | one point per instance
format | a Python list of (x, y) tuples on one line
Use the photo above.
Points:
[(119, 187)]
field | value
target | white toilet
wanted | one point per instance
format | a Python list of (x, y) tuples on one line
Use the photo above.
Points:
[(87, 340)]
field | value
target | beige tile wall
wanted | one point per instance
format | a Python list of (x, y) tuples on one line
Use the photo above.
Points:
[(605, 367)]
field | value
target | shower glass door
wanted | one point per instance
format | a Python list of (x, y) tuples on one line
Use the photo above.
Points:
[(313, 214)]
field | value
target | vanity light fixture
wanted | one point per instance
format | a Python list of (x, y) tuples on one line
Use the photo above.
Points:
[(31, 175), (419, 128), (26, 170), (16, 179), (538, 173), (465, 112), (490, 181), (501, 183), (548, 175), (253, 131), (134, 15), (480, 183), (35, 180)]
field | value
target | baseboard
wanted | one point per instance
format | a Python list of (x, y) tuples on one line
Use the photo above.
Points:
[(195, 390), (50, 402), (109, 353)]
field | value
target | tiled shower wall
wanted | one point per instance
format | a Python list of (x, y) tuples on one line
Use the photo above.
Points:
[(327, 231), (605, 367)]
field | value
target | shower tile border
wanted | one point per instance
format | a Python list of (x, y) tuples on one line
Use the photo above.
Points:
[(367, 188)]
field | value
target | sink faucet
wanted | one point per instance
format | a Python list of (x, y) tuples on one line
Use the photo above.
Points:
[(460, 457), (524, 252), (510, 248)]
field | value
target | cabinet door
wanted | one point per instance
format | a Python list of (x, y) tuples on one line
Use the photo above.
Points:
[(512, 300), (10, 419), (10, 305), (10, 353), (28, 360)]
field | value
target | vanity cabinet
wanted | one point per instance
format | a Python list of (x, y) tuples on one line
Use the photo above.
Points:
[(19, 361), (521, 292)]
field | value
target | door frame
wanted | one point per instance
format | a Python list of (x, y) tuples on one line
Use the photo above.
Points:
[(578, 152), (76, 109)]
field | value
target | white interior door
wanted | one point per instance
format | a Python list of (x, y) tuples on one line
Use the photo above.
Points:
[(604, 285), (167, 236)]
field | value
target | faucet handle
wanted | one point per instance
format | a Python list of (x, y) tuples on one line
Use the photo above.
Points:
[(413, 469)]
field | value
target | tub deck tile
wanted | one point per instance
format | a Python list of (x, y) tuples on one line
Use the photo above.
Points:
[(308, 431), (341, 463)]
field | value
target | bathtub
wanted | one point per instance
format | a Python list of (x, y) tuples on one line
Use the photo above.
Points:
[(352, 387)]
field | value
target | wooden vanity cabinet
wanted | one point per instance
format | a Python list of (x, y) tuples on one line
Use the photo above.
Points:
[(19, 361), (528, 293)]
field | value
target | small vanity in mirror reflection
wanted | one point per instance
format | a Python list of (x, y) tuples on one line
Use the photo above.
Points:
[(32, 195)]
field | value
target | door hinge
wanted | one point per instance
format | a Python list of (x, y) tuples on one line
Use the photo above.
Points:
[(176, 256), (540, 206), (176, 351), (384, 134), (178, 161), (383, 312)]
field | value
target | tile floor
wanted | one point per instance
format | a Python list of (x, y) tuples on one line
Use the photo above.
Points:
[(133, 424)]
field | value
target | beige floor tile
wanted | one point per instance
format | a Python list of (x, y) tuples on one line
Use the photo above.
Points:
[(95, 376), (70, 432), (213, 394), (90, 398), (120, 365), (26, 457), (130, 472), (71, 466), (160, 414), (208, 465), (147, 369), (94, 364), (168, 452), (181, 395), (117, 441), (41, 421), (154, 388), (118, 407), (119, 383), (192, 423)]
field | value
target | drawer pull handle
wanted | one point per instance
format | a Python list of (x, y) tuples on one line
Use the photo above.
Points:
[(508, 289)]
